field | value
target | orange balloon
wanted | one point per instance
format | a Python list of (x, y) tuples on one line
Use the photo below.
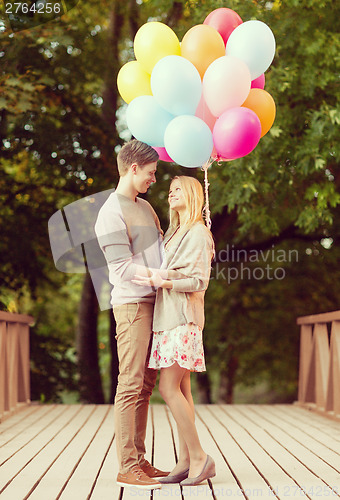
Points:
[(202, 44), (262, 103)]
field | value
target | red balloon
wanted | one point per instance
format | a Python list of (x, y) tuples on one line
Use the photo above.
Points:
[(224, 21), (259, 82)]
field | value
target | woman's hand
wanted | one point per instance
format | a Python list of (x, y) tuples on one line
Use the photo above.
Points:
[(155, 280)]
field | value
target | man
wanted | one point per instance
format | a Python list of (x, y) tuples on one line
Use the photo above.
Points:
[(130, 235)]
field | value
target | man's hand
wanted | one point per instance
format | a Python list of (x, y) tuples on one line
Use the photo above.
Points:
[(154, 281)]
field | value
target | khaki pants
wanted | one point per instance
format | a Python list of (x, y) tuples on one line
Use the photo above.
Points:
[(135, 381)]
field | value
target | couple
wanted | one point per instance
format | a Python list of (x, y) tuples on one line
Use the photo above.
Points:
[(159, 330)]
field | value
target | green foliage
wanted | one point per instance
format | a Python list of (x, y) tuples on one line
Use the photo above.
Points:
[(52, 347)]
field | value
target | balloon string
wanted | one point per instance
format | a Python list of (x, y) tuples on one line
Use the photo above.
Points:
[(206, 209)]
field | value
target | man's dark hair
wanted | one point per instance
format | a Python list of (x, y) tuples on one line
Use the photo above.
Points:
[(135, 152)]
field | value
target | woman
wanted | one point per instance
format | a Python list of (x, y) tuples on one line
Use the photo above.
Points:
[(178, 321)]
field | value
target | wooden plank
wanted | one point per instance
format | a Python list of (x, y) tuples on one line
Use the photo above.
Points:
[(16, 318), (304, 467), (20, 415), (28, 438), (274, 415), (71, 445), (21, 421), (105, 485), (319, 422), (264, 450), (82, 480), (228, 456), (30, 474), (241, 453), (319, 318), (273, 475), (305, 425), (14, 470)]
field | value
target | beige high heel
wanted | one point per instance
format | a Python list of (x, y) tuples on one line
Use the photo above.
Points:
[(208, 471)]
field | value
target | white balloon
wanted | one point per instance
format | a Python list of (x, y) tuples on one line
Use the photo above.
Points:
[(188, 141), (226, 84), (254, 43), (147, 120), (176, 85)]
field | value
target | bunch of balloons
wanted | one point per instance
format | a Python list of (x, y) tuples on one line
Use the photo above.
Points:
[(203, 98)]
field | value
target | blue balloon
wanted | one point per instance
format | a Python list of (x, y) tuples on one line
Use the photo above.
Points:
[(147, 120), (176, 85), (253, 42), (188, 141)]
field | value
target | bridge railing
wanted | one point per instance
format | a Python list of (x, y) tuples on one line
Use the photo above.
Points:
[(319, 370), (14, 362)]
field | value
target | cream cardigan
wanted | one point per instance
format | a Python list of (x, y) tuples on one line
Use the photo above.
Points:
[(190, 253)]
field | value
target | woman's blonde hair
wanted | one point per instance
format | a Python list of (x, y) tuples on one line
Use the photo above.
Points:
[(194, 200)]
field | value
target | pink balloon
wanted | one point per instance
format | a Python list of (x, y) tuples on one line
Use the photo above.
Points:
[(236, 133), (224, 21), (216, 156), (163, 154), (259, 82), (205, 114)]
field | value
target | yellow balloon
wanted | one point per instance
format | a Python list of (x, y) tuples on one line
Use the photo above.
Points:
[(133, 81), (152, 42)]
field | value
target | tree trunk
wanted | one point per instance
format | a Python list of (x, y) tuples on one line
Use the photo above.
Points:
[(110, 95), (109, 109), (203, 388), (90, 384), (227, 382)]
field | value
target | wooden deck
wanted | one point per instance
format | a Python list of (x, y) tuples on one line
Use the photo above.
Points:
[(268, 451)]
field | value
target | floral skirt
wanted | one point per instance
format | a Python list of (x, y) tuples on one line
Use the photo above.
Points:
[(183, 344)]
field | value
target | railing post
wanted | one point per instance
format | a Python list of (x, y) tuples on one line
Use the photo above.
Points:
[(319, 367), (305, 362), (333, 393), (14, 362), (321, 364), (3, 368)]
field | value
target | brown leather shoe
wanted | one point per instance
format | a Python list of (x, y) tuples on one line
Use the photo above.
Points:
[(137, 478), (152, 471)]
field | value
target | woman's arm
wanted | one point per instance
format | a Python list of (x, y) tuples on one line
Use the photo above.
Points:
[(192, 265), (194, 261), (155, 280)]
